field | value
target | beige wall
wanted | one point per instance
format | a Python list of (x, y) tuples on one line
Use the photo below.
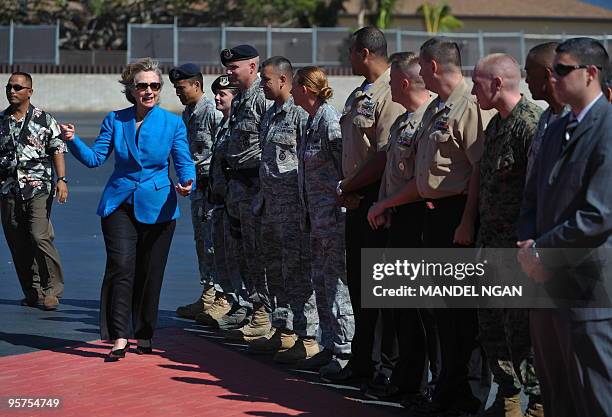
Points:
[(102, 93)]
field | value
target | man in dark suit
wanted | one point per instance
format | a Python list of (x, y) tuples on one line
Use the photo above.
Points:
[(567, 205)]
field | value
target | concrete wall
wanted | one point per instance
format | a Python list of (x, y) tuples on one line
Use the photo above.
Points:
[(102, 93)]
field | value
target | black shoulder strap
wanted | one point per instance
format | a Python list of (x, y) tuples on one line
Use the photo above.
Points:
[(24, 126)]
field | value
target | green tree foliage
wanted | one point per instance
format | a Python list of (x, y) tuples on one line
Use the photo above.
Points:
[(384, 13), (438, 18)]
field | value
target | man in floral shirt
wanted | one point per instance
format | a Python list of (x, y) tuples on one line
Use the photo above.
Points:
[(29, 143)]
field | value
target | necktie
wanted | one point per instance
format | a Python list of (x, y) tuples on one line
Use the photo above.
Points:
[(570, 127)]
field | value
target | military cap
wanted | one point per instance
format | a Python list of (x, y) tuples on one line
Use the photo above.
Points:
[(183, 72), (238, 53), (222, 82)]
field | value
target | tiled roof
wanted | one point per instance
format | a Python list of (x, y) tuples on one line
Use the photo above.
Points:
[(508, 8)]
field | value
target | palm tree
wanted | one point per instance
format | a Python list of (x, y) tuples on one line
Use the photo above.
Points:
[(438, 18)]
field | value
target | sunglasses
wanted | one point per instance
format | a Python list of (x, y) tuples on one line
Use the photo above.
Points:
[(144, 86), (562, 70), (16, 87)]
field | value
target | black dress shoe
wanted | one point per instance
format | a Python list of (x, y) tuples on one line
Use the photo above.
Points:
[(115, 354), (144, 350)]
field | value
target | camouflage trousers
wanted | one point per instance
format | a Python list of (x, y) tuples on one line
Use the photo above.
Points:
[(506, 340), (286, 255), (249, 256), (228, 279), (201, 212), (329, 278)]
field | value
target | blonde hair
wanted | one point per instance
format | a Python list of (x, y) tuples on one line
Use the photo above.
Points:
[(129, 73), (314, 79)]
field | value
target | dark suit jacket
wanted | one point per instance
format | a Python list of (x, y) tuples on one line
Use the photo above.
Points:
[(568, 204)]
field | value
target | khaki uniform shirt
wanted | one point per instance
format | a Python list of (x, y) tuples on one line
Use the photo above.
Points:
[(449, 142), (365, 123), (401, 150)]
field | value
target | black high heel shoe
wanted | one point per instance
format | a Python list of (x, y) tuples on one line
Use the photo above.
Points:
[(115, 354), (145, 350)]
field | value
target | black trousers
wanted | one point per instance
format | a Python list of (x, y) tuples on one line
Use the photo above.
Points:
[(136, 255), (410, 368), (457, 328), (360, 235)]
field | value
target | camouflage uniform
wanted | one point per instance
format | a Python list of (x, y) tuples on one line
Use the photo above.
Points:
[(545, 120), (286, 250), (243, 156), (226, 247), (202, 121), (320, 156), (505, 332)]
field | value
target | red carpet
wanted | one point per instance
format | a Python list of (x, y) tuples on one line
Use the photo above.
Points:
[(187, 376)]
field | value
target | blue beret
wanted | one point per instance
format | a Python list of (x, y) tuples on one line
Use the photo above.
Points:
[(184, 72), (238, 53)]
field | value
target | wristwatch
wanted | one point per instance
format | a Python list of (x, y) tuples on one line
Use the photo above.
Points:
[(63, 179), (339, 188)]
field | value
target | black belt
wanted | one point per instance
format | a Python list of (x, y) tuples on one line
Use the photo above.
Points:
[(244, 175)]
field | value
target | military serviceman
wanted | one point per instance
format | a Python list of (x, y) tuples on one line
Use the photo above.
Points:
[(505, 332), (320, 159), (404, 222), (539, 79), (366, 120), (241, 166), (449, 146), (226, 245), (202, 120), (286, 250)]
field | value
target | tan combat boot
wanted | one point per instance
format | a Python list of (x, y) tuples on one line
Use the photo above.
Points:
[(534, 409), (505, 407), (259, 326), (303, 348), (205, 301), (282, 339), (219, 308)]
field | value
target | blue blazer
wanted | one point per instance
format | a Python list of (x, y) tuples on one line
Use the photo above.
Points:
[(141, 168)]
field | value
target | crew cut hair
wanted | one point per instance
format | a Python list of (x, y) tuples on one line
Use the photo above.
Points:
[(372, 39), (445, 53)]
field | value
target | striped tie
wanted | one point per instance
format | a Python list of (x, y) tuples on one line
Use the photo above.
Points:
[(570, 127)]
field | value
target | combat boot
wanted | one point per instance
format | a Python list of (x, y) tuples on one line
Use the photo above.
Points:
[(205, 301), (534, 408), (220, 307), (282, 339), (259, 326), (234, 319), (505, 407), (316, 362), (303, 348)]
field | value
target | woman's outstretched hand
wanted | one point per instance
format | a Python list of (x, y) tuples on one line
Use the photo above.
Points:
[(67, 131), (184, 189)]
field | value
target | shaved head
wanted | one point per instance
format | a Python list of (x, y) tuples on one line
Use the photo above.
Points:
[(503, 66)]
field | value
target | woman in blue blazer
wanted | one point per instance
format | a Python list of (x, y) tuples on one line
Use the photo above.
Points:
[(138, 206)]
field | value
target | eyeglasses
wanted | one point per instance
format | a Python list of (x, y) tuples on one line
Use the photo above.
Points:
[(562, 70), (16, 87), (144, 86)]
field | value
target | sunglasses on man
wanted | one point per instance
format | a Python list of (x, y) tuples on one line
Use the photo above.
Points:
[(562, 70), (16, 87), (144, 86)]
